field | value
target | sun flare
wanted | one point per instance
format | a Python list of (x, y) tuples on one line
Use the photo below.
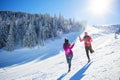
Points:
[(99, 7)]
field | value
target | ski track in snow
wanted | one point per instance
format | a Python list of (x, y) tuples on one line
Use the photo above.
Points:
[(49, 63)]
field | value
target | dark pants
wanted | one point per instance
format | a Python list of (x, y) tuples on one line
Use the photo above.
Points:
[(69, 58), (87, 49)]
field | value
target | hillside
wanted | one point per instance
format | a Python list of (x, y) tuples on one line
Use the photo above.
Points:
[(49, 63)]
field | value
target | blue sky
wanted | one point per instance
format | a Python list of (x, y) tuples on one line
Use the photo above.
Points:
[(77, 9)]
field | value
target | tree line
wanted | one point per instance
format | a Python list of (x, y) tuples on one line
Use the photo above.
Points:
[(30, 30)]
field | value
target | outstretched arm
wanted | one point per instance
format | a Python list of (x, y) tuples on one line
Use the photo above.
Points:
[(80, 39), (72, 46)]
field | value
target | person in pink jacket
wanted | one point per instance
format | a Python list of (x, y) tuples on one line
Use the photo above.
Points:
[(68, 52)]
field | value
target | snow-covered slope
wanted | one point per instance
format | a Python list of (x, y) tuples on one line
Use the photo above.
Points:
[(49, 63)]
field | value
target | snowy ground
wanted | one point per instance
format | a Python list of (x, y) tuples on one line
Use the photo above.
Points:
[(49, 63)]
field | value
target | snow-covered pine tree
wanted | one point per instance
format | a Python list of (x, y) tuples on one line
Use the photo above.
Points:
[(54, 27), (4, 31), (59, 33), (40, 33), (62, 23), (30, 37), (2, 39), (10, 39), (37, 29), (45, 26)]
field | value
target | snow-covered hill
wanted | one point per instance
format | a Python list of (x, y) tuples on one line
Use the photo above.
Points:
[(49, 63)]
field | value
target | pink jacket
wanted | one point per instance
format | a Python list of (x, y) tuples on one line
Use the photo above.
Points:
[(68, 49)]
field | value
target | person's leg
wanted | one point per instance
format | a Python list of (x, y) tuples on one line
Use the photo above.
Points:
[(69, 66), (67, 58), (91, 50), (69, 62), (87, 52)]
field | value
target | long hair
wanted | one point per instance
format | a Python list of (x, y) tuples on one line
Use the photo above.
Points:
[(67, 42)]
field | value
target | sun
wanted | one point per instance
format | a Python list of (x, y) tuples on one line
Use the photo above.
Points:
[(99, 7)]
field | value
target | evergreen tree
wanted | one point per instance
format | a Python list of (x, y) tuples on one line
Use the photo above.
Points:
[(30, 37), (40, 35), (10, 40), (28, 30)]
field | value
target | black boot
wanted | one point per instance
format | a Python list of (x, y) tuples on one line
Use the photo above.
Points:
[(92, 51), (88, 60), (69, 69)]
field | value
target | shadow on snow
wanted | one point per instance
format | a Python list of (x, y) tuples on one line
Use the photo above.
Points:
[(62, 76), (80, 74)]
